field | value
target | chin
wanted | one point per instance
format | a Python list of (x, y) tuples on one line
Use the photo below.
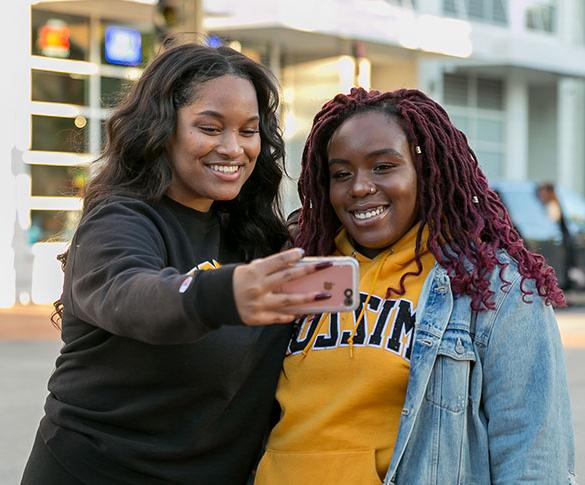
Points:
[(373, 244), (226, 197)]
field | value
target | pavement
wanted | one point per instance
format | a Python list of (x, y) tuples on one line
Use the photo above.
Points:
[(29, 344), (31, 322)]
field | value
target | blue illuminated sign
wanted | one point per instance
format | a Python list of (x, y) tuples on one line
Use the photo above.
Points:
[(123, 46), (214, 41)]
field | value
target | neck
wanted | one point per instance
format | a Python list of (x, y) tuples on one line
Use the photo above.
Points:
[(368, 252)]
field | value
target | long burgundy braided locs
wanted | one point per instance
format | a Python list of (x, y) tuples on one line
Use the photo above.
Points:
[(454, 198)]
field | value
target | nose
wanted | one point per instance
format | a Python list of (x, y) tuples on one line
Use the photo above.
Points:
[(363, 186), (230, 144)]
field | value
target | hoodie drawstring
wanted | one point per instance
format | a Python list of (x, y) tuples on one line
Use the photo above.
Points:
[(366, 302)]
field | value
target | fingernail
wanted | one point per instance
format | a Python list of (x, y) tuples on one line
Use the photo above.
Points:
[(323, 265), (322, 296)]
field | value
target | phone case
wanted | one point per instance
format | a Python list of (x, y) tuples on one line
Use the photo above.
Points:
[(341, 280)]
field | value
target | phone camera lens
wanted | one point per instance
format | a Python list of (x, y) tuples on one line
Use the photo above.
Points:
[(348, 293), (348, 301)]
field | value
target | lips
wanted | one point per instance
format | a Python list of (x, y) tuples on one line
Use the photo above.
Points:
[(369, 213), (224, 168), (226, 172)]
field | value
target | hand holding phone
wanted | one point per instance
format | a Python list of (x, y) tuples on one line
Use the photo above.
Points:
[(278, 288), (340, 280)]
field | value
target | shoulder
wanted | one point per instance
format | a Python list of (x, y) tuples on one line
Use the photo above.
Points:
[(502, 277), (505, 278), (121, 218), (513, 296), (120, 205), (519, 308)]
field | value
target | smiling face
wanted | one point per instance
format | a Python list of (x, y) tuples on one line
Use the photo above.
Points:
[(373, 182), (216, 143)]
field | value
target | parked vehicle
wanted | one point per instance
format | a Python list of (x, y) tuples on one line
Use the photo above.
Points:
[(573, 205), (543, 235)]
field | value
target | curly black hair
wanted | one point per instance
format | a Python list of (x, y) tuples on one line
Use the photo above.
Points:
[(135, 163)]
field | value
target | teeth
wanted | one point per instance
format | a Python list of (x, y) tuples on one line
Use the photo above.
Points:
[(225, 168), (369, 214)]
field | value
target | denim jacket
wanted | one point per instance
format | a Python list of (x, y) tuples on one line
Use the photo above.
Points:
[(487, 400)]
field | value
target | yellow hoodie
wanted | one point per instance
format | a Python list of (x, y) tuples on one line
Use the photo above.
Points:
[(341, 400)]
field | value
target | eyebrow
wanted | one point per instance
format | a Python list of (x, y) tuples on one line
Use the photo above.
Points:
[(218, 115), (375, 153)]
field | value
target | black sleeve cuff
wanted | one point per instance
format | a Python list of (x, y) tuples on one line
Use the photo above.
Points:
[(210, 299)]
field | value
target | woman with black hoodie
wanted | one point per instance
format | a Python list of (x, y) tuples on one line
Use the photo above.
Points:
[(168, 368)]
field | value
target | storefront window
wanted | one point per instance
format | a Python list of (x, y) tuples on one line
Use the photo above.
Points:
[(112, 90), (60, 35), (51, 180), (490, 93), (456, 89), (476, 106), (52, 226), (102, 135), (53, 133), (56, 87)]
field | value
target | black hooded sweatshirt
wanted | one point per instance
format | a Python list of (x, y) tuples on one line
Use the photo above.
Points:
[(158, 380)]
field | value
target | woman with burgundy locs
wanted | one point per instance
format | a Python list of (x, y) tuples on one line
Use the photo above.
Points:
[(451, 371)]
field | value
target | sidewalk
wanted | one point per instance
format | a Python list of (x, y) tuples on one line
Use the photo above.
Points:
[(572, 326), (31, 322)]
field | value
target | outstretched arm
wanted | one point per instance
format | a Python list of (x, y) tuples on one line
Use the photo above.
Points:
[(119, 281)]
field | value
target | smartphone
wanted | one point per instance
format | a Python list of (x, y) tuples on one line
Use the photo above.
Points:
[(341, 280)]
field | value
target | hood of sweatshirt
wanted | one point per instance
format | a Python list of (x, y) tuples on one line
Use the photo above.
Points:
[(391, 263), (380, 276)]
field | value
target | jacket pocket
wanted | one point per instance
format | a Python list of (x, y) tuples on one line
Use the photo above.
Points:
[(351, 467), (449, 384)]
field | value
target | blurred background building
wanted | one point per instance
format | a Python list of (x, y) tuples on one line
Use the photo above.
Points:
[(511, 74)]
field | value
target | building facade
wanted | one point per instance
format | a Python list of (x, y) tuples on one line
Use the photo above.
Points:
[(511, 74)]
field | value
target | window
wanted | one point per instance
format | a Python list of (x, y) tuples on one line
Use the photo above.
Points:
[(476, 107), (52, 226), (53, 133), (490, 94), (112, 90), (492, 11), (54, 180), (540, 15), (456, 90), (56, 87), (60, 35), (403, 3)]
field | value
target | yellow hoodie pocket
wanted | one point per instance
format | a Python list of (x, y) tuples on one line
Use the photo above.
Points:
[(352, 467)]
